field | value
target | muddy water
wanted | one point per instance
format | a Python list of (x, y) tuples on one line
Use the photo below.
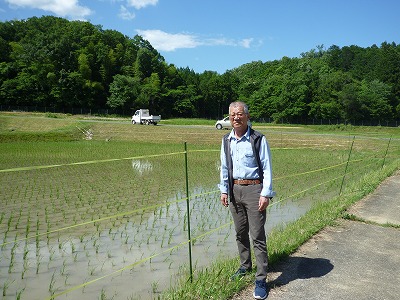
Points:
[(136, 260)]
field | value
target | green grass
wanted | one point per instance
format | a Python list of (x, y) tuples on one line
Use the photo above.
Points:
[(193, 121)]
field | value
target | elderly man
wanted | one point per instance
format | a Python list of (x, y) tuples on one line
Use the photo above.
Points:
[(246, 177)]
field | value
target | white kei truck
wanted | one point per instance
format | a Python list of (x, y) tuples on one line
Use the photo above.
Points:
[(142, 116)]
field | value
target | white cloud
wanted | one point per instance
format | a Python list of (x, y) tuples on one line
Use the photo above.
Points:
[(163, 41), (63, 8), (246, 43), (138, 4), (125, 14), (218, 42)]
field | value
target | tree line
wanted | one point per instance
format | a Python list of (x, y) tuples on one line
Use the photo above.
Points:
[(53, 62)]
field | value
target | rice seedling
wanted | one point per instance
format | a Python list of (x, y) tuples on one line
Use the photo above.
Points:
[(52, 283), (19, 293), (38, 262), (6, 285)]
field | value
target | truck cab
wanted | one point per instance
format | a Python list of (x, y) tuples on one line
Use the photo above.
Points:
[(142, 116)]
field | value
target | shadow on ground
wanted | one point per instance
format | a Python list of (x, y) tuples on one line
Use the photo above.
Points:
[(294, 268)]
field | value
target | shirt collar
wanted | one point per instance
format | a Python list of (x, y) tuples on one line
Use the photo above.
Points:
[(246, 135)]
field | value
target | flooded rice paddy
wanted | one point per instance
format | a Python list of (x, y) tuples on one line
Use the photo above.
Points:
[(117, 228)]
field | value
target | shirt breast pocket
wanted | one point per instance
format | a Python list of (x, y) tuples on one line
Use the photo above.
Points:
[(249, 159)]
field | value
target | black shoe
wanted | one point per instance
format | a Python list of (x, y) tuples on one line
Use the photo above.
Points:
[(240, 273)]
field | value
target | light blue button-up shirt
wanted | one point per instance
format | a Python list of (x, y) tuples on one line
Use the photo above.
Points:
[(245, 163)]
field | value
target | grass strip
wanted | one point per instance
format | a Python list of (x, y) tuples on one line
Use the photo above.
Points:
[(213, 282), (352, 217)]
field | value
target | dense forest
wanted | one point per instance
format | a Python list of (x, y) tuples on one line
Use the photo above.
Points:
[(60, 64)]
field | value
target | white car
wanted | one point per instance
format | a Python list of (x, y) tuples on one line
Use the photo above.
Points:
[(223, 124), (226, 124)]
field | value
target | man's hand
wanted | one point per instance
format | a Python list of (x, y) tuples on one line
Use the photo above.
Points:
[(263, 203), (224, 200)]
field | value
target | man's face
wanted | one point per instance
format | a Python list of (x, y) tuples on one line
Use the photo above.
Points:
[(238, 117)]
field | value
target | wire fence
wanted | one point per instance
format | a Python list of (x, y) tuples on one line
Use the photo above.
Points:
[(95, 247)]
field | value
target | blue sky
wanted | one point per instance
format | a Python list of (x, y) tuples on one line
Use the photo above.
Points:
[(219, 35)]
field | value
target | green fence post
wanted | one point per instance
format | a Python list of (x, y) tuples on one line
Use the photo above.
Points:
[(188, 215), (347, 164), (387, 148)]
